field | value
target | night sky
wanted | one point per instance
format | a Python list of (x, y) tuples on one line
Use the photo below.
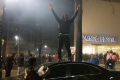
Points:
[(33, 20)]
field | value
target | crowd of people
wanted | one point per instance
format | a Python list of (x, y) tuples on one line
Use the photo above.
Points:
[(27, 64), (110, 59), (24, 64)]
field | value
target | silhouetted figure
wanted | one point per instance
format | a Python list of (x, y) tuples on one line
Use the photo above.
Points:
[(20, 63), (9, 61), (105, 61), (1, 62), (114, 59), (64, 32), (94, 60), (32, 75), (30, 65), (40, 75)]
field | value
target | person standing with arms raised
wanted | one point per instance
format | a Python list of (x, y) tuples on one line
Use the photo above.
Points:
[(64, 31)]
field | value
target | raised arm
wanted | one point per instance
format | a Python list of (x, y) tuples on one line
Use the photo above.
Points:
[(54, 13), (75, 14)]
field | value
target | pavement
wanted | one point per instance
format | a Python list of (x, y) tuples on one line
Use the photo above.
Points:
[(13, 75)]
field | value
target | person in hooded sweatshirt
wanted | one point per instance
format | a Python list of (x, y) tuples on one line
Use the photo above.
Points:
[(64, 31)]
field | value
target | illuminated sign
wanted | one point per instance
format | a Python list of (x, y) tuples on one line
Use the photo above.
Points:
[(93, 38)]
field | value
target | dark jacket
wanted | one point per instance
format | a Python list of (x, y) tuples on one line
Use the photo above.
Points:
[(94, 61), (64, 26), (9, 61), (32, 75), (30, 62), (20, 61)]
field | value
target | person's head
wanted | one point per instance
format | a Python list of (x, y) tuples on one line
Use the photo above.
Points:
[(30, 55), (7, 55), (114, 53), (21, 54), (65, 17), (13, 54), (111, 51)]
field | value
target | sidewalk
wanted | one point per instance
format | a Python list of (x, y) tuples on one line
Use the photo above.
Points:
[(13, 74)]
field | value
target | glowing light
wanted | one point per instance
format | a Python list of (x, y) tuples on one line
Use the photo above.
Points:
[(16, 37), (37, 49), (88, 50), (45, 46)]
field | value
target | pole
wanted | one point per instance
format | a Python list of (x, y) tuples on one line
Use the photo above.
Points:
[(18, 46), (0, 61), (17, 39), (0, 56), (78, 32), (1, 33)]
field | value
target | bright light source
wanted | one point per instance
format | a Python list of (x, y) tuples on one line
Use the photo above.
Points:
[(62, 50), (16, 38), (3, 41), (37, 49), (89, 50), (45, 46)]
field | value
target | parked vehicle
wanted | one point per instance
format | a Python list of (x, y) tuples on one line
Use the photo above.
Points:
[(80, 71)]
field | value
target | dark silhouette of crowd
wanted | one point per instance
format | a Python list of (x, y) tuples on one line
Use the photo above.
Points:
[(26, 66)]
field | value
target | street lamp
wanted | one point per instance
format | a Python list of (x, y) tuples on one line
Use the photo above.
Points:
[(45, 49), (45, 46), (17, 38), (37, 49)]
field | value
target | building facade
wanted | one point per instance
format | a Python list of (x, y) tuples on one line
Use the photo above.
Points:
[(100, 25)]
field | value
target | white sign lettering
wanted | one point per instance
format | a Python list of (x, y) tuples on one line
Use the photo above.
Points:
[(99, 38)]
